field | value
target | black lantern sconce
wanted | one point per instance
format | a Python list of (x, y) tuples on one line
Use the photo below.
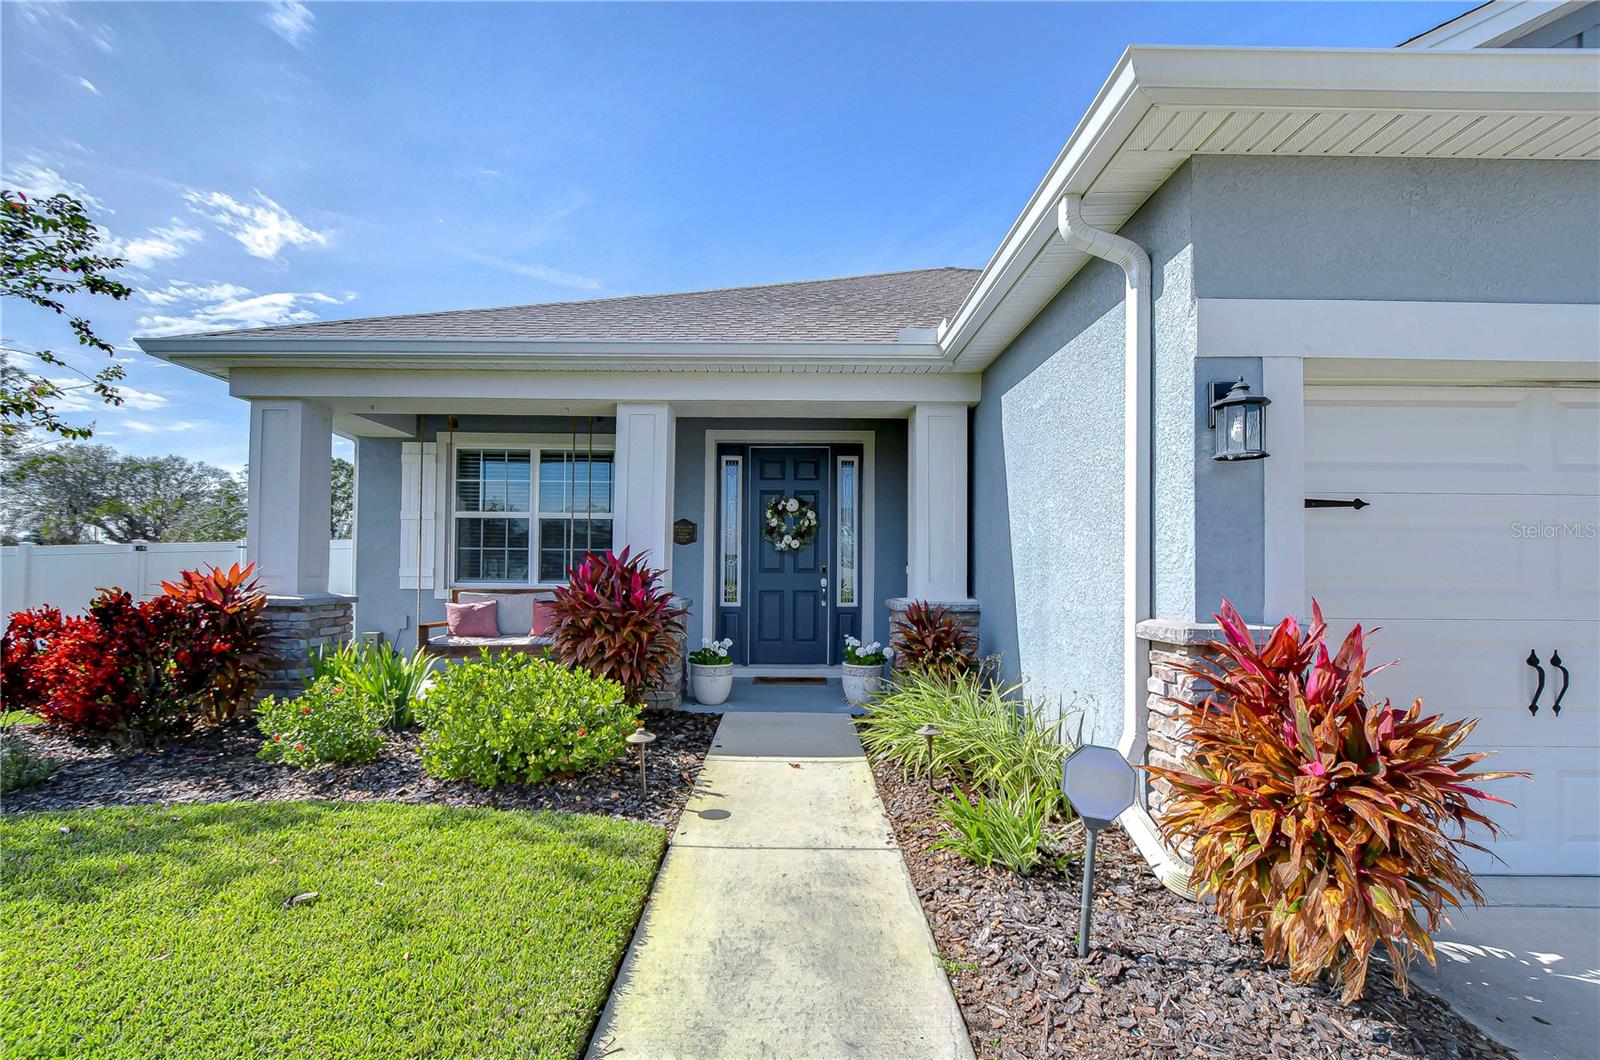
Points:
[(1238, 421)]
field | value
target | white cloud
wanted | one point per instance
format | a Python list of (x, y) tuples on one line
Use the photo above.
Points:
[(76, 397), (558, 277), (263, 228), (157, 244), (184, 291), (37, 180), (291, 20), (179, 426), (223, 306), (88, 85), (54, 14)]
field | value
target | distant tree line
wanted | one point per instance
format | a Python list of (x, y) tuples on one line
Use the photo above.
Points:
[(76, 493)]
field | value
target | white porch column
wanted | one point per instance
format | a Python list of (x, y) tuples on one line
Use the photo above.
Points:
[(290, 495), (646, 438), (937, 520)]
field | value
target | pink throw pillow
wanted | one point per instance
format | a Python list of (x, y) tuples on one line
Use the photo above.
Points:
[(544, 618), (477, 619)]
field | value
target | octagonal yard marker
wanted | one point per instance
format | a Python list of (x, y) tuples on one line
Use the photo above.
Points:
[(1099, 784)]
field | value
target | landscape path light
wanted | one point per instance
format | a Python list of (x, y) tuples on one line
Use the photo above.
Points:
[(642, 740), (928, 732), (1099, 784)]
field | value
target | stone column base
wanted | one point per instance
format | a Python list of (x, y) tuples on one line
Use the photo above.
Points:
[(297, 627), (1174, 645), (670, 695)]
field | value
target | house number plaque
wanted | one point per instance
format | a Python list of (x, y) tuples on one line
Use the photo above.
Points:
[(685, 532)]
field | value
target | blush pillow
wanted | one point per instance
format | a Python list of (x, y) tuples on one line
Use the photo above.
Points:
[(544, 619), (479, 619)]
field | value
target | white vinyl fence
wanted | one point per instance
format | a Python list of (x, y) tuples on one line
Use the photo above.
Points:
[(68, 576)]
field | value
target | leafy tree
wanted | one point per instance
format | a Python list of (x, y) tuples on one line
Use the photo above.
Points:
[(344, 507), (70, 492), (47, 253)]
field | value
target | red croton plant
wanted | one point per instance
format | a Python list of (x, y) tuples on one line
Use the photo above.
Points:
[(225, 635), (616, 621), (931, 639), (1322, 817)]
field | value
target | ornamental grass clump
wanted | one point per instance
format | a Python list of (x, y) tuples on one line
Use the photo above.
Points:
[(614, 619), (929, 638), (1323, 818), (383, 674)]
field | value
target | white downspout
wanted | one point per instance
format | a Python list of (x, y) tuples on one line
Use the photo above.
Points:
[(1136, 596)]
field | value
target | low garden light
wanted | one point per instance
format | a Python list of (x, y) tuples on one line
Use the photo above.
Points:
[(928, 732), (1100, 784), (1238, 421), (642, 739)]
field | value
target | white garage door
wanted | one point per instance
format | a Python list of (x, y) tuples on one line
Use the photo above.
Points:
[(1479, 546)]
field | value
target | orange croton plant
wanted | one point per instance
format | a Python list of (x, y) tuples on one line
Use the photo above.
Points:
[(1322, 817)]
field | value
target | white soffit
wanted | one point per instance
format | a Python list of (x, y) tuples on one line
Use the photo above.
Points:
[(1495, 23), (1162, 106)]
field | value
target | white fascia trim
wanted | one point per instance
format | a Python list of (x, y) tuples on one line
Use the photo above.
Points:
[(217, 355), (1350, 328), (1492, 24), (1506, 81)]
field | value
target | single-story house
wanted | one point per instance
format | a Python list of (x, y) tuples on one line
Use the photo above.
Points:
[(1399, 249)]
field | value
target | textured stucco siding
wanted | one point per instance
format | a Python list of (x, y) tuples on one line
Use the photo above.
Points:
[(889, 499), (1047, 476), (1396, 229)]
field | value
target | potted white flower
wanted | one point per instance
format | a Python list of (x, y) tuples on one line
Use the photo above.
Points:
[(711, 671), (863, 669)]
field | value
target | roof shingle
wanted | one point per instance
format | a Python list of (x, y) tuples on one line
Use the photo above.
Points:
[(852, 309)]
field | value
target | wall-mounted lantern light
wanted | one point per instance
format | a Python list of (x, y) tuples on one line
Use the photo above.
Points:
[(1238, 421)]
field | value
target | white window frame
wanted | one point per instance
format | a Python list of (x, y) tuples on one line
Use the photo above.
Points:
[(449, 444), (853, 583), (723, 532)]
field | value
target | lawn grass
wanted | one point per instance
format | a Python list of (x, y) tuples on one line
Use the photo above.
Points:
[(163, 931)]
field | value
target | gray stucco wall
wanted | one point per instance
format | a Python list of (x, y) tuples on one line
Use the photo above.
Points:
[(1394, 228), (1047, 476), (384, 606), (1047, 454), (889, 498)]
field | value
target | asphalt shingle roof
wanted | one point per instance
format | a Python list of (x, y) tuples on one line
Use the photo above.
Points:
[(852, 309)]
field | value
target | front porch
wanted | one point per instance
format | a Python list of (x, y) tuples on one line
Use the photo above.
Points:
[(473, 492)]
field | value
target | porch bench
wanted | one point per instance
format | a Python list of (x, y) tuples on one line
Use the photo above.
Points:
[(514, 616)]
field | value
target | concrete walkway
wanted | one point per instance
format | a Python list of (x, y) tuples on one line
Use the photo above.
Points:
[(783, 923), (1526, 966)]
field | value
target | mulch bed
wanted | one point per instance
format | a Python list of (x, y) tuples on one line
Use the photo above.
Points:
[(1162, 979), (221, 766)]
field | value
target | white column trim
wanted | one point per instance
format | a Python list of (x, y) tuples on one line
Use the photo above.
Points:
[(1284, 489), (646, 436), (290, 495), (936, 509)]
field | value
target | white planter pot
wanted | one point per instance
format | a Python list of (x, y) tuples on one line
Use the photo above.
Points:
[(860, 682), (711, 683)]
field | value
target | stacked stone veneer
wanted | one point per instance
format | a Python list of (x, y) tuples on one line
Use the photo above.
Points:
[(670, 695), (1174, 646), (299, 626), (966, 612)]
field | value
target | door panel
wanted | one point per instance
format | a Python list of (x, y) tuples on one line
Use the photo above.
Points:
[(1479, 544), (791, 621)]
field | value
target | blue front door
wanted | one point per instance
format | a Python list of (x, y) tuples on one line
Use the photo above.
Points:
[(788, 587)]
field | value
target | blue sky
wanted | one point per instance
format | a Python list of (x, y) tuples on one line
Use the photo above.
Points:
[(266, 163)]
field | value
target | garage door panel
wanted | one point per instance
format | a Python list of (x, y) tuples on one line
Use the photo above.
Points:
[(1552, 824), (1410, 556), (1363, 441), (1481, 542), (1479, 670)]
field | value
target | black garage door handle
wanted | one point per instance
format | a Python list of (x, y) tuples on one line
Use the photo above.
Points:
[(1566, 679), (1533, 661)]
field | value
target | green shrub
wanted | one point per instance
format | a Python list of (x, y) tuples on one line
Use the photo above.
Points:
[(20, 765), (383, 674), (514, 717), (987, 737), (329, 722), (1000, 826)]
